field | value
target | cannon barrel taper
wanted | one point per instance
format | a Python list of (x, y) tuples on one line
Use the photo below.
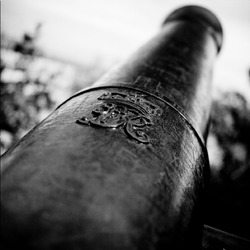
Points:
[(123, 164)]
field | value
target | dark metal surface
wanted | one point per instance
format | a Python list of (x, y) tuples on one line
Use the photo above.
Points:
[(214, 239), (122, 165)]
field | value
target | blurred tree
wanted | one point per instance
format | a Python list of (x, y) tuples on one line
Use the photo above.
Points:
[(227, 206), (27, 46), (23, 97)]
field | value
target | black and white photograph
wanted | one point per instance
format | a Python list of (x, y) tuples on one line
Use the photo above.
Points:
[(125, 125)]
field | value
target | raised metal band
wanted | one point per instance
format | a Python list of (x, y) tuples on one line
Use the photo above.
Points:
[(172, 105)]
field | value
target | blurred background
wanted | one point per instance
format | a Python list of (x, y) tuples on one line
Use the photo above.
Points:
[(53, 48)]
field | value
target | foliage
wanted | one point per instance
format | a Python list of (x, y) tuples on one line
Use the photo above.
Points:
[(24, 97), (227, 206)]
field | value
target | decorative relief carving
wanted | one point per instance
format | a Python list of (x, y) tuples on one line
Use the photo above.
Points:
[(128, 111)]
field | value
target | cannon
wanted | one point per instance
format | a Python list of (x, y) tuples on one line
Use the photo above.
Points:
[(122, 164)]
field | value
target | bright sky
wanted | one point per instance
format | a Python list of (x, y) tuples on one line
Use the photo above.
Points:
[(83, 31)]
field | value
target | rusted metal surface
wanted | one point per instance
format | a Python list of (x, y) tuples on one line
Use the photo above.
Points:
[(121, 165)]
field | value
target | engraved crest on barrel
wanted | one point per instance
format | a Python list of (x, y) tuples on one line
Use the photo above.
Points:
[(128, 111)]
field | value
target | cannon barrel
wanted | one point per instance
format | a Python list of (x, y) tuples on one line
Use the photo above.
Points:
[(123, 164)]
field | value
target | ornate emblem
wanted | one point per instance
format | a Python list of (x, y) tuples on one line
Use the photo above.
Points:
[(129, 111)]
